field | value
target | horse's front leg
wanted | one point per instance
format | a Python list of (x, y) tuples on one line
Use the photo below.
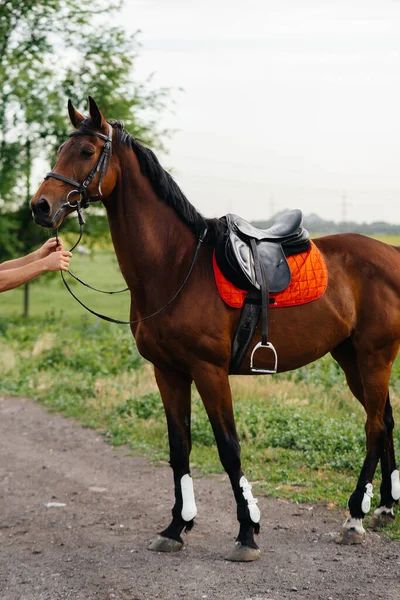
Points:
[(175, 393), (213, 385)]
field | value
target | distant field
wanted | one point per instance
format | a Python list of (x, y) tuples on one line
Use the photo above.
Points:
[(393, 240)]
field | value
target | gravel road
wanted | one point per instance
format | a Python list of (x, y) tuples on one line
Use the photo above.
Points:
[(94, 546)]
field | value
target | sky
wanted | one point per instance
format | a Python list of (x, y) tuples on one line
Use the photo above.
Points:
[(284, 104)]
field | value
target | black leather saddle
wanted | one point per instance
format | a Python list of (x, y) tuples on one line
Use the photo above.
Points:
[(285, 237), (255, 260)]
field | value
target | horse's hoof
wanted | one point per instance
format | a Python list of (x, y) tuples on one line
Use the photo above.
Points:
[(242, 553), (381, 520), (164, 544), (350, 536)]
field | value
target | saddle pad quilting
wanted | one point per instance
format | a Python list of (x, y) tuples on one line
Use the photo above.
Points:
[(309, 281)]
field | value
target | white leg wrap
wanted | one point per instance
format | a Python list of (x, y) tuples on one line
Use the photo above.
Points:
[(355, 524), (395, 485), (366, 501), (189, 508), (383, 510), (251, 501)]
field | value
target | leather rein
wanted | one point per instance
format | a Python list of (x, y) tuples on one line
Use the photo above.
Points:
[(80, 189)]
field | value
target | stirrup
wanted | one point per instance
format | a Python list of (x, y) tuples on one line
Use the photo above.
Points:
[(271, 347)]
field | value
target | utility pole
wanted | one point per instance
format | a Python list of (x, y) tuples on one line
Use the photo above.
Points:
[(344, 205)]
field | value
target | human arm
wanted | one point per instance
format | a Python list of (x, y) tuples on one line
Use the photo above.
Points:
[(12, 278), (48, 247)]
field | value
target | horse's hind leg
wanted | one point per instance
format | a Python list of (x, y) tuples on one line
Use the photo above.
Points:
[(213, 385), (390, 487), (345, 355), (175, 393), (374, 374)]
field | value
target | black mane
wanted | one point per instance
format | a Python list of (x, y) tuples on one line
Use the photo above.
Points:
[(165, 186)]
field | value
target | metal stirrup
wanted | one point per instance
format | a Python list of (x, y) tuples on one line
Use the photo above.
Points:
[(268, 346)]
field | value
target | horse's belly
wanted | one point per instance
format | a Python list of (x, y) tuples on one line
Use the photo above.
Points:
[(301, 334)]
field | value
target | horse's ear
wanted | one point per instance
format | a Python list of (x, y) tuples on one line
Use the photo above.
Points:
[(75, 117), (97, 117)]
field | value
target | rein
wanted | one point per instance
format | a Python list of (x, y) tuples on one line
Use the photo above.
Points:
[(110, 319), (81, 223), (101, 167)]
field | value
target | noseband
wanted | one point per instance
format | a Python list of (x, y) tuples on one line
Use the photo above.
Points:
[(101, 166)]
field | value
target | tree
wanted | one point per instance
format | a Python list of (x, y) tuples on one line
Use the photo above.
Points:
[(51, 50)]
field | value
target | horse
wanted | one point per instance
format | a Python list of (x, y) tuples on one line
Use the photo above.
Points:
[(159, 239)]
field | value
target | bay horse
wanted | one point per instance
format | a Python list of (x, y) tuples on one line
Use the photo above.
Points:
[(155, 232)]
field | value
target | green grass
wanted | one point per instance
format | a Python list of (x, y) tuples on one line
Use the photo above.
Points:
[(393, 240), (302, 433)]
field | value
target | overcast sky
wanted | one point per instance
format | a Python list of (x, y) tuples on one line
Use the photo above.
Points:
[(285, 103)]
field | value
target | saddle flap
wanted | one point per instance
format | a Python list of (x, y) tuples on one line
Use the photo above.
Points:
[(285, 238), (271, 256)]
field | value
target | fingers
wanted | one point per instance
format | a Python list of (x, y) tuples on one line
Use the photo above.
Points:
[(50, 246), (64, 265), (51, 242), (57, 261), (64, 260)]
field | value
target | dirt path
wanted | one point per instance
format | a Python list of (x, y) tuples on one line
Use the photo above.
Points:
[(94, 548)]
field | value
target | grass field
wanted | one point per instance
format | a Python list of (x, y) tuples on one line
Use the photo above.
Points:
[(302, 433)]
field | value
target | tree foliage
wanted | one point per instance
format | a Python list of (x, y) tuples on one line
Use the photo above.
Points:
[(54, 49), (51, 50)]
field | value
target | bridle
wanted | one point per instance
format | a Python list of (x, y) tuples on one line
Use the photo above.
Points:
[(81, 189), (101, 167)]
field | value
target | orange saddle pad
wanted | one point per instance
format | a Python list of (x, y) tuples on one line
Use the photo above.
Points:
[(309, 281)]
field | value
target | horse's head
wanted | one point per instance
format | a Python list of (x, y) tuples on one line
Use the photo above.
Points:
[(84, 171)]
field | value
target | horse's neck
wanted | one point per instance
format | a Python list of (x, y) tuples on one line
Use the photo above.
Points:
[(152, 245)]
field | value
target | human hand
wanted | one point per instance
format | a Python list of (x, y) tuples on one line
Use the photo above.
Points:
[(57, 261), (49, 247)]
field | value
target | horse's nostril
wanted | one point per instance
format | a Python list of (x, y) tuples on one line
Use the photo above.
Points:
[(43, 206)]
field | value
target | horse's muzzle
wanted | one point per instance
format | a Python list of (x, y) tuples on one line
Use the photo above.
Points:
[(41, 213)]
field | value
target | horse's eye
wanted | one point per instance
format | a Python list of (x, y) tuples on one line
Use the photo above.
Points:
[(87, 152)]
